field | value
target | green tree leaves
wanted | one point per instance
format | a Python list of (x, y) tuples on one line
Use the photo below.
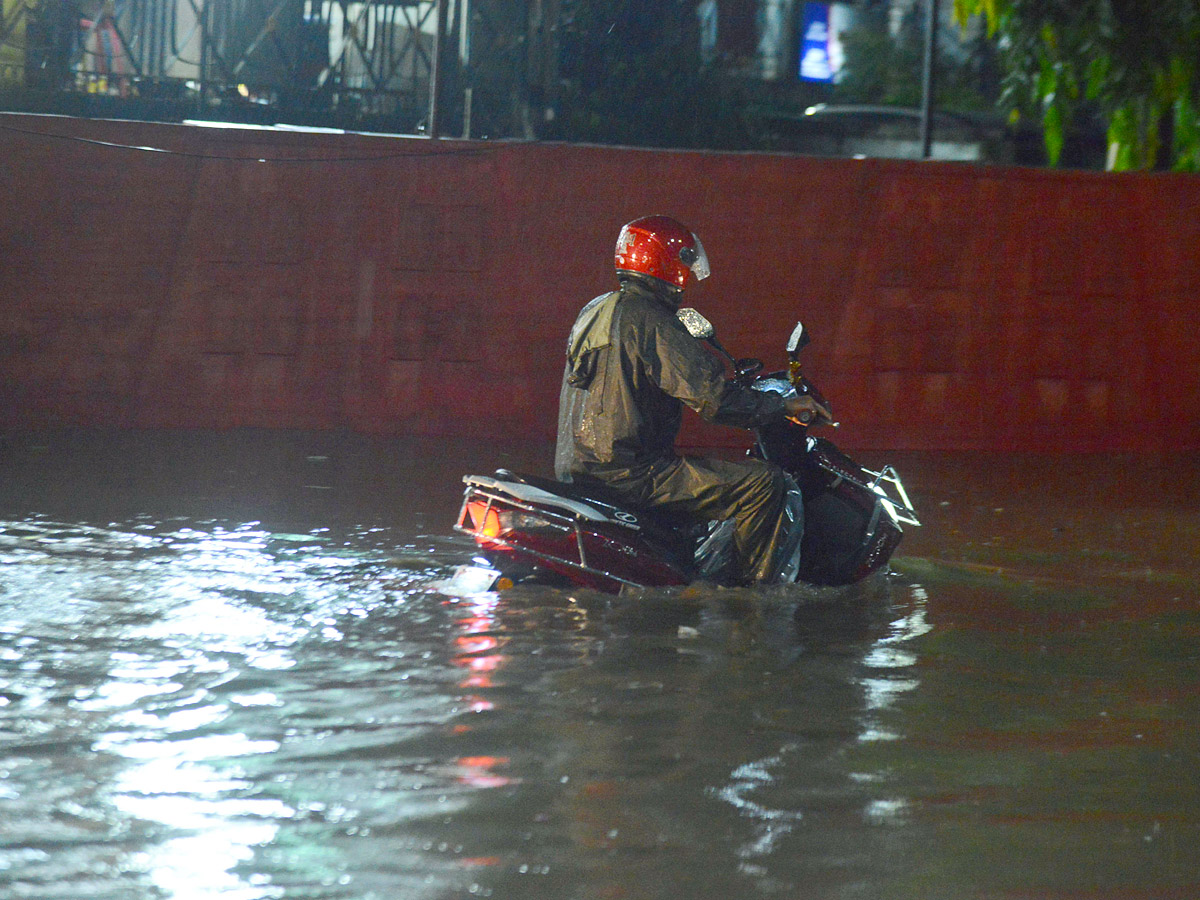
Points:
[(1134, 62)]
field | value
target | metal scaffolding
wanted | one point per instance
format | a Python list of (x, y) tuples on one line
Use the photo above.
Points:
[(343, 63)]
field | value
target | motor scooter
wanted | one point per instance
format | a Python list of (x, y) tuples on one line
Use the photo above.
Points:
[(844, 521)]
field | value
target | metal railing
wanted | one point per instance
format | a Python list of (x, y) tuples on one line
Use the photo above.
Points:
[(333, 62)]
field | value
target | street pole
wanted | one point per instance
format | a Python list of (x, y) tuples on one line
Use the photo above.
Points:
[(928, 79), (436, 74)]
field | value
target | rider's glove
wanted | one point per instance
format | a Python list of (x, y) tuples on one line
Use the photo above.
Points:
[(804, 410)]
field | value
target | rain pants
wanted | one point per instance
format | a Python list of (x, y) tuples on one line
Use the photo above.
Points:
[(631, 367)]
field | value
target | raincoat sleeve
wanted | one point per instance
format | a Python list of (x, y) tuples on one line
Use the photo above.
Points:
[(686, 371)]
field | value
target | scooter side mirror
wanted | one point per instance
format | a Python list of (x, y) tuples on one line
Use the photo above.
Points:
[(798, 341), (697, 326)]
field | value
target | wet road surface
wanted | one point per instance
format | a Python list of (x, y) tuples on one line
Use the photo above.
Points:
[(232, 666)]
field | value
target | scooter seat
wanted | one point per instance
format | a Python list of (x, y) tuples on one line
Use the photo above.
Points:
[(656, 528), (596, 497)]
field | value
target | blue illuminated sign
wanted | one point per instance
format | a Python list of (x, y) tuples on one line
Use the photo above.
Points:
[(816, 63)]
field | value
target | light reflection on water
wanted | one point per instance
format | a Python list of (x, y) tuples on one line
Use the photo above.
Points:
[(154, 674), (199, 707)]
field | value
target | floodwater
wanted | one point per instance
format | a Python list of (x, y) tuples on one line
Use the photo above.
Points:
[(231, 667)]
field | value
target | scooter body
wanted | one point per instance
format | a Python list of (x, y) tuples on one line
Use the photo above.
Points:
[(851, 522)]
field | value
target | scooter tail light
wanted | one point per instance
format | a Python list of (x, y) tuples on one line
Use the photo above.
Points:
[(489, 522), (484, 519), (519, 521)]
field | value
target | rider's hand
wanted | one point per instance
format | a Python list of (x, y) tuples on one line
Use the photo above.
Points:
[(804, 410)]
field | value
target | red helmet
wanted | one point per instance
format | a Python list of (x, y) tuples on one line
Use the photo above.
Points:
[(663, 248)]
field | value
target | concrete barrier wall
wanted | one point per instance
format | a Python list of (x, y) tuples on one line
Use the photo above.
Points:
[(230, 278)]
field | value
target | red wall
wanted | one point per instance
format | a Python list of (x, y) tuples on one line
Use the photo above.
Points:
[(396, 285)]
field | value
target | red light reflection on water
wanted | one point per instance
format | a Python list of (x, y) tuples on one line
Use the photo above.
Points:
[(469, 644), (477, 647), (477, 771), (477, 650)]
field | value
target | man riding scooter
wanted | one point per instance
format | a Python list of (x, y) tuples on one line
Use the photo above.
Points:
[(631, 367)]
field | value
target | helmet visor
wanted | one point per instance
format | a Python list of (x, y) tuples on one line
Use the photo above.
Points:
[(698, 264)]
